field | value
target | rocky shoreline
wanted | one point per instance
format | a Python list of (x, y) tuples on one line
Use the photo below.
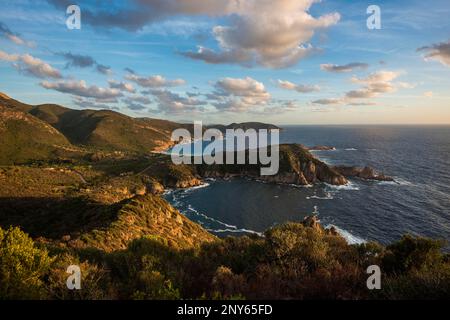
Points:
[(366, 173)]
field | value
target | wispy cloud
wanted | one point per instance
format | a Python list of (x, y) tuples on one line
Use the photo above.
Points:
[(156, 81), (29, 65), (84, 61), (298, 87), (82, 89), (123, 86), (439, 52), (344, 68), (14, 37)]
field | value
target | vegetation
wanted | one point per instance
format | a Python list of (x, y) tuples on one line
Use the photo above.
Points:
[(80, 187), (292, 261)]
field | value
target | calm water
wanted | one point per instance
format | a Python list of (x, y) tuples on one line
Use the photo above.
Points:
[(417, 203)]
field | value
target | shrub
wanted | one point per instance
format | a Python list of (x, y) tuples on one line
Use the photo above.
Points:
[(23, 266), (412, 253), (95, 283)]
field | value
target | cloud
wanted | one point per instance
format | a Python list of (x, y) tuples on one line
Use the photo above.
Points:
[(80, 88), (8, 57), (273, 34), (138, 99), (373, 86), (129, 70), (87, 104), (103, 69), (439, 52), (133, 105), (213, 57), (239, 95), (84, 61), (343, 68), (14, 37), (139, 13), (279, 108), (298, 87), (122, 86), (174, 103), (361, 103), (156, 81), (30, 65), (328, 101), (428, 94)]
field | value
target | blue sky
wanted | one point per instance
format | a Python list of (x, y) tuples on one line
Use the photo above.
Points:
[(286, 61)]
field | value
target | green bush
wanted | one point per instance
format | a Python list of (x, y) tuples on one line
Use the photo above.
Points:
[(23, 266), (413, 253)]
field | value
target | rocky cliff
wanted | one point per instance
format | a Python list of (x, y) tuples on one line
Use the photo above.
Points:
[(297, 166), (366, 173)]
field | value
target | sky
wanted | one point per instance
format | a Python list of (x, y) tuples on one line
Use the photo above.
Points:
[(222, 61)]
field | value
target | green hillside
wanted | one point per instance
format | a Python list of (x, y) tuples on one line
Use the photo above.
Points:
[(24, 137), (105, 129), (100, 129)]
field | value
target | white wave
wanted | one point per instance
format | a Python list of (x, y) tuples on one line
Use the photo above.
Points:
[(318, 150), (204, 216), (397, 182), (349, 186), (350, 238), (350, 149), (236, 231), (201, 186), (387, 183), (328, 196), (403, 182), (300, 185)]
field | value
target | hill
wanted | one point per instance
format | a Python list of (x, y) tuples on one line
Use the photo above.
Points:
[(144, 215), (244, 126), (107, 130), (24, 137), (100, 129)]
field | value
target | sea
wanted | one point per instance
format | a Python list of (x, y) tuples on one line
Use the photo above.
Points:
[(417, 202)]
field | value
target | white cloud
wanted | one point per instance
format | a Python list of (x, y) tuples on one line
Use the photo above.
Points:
[(374, 85), (156, 81), (123, 86), (8, 57), (37, 67), (428, 94), (30, 65), (298, 87), (239, 95), (273, 34), (80, 88), (174, 103)]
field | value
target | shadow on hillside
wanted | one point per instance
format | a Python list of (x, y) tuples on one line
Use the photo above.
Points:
[(55, 217)]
